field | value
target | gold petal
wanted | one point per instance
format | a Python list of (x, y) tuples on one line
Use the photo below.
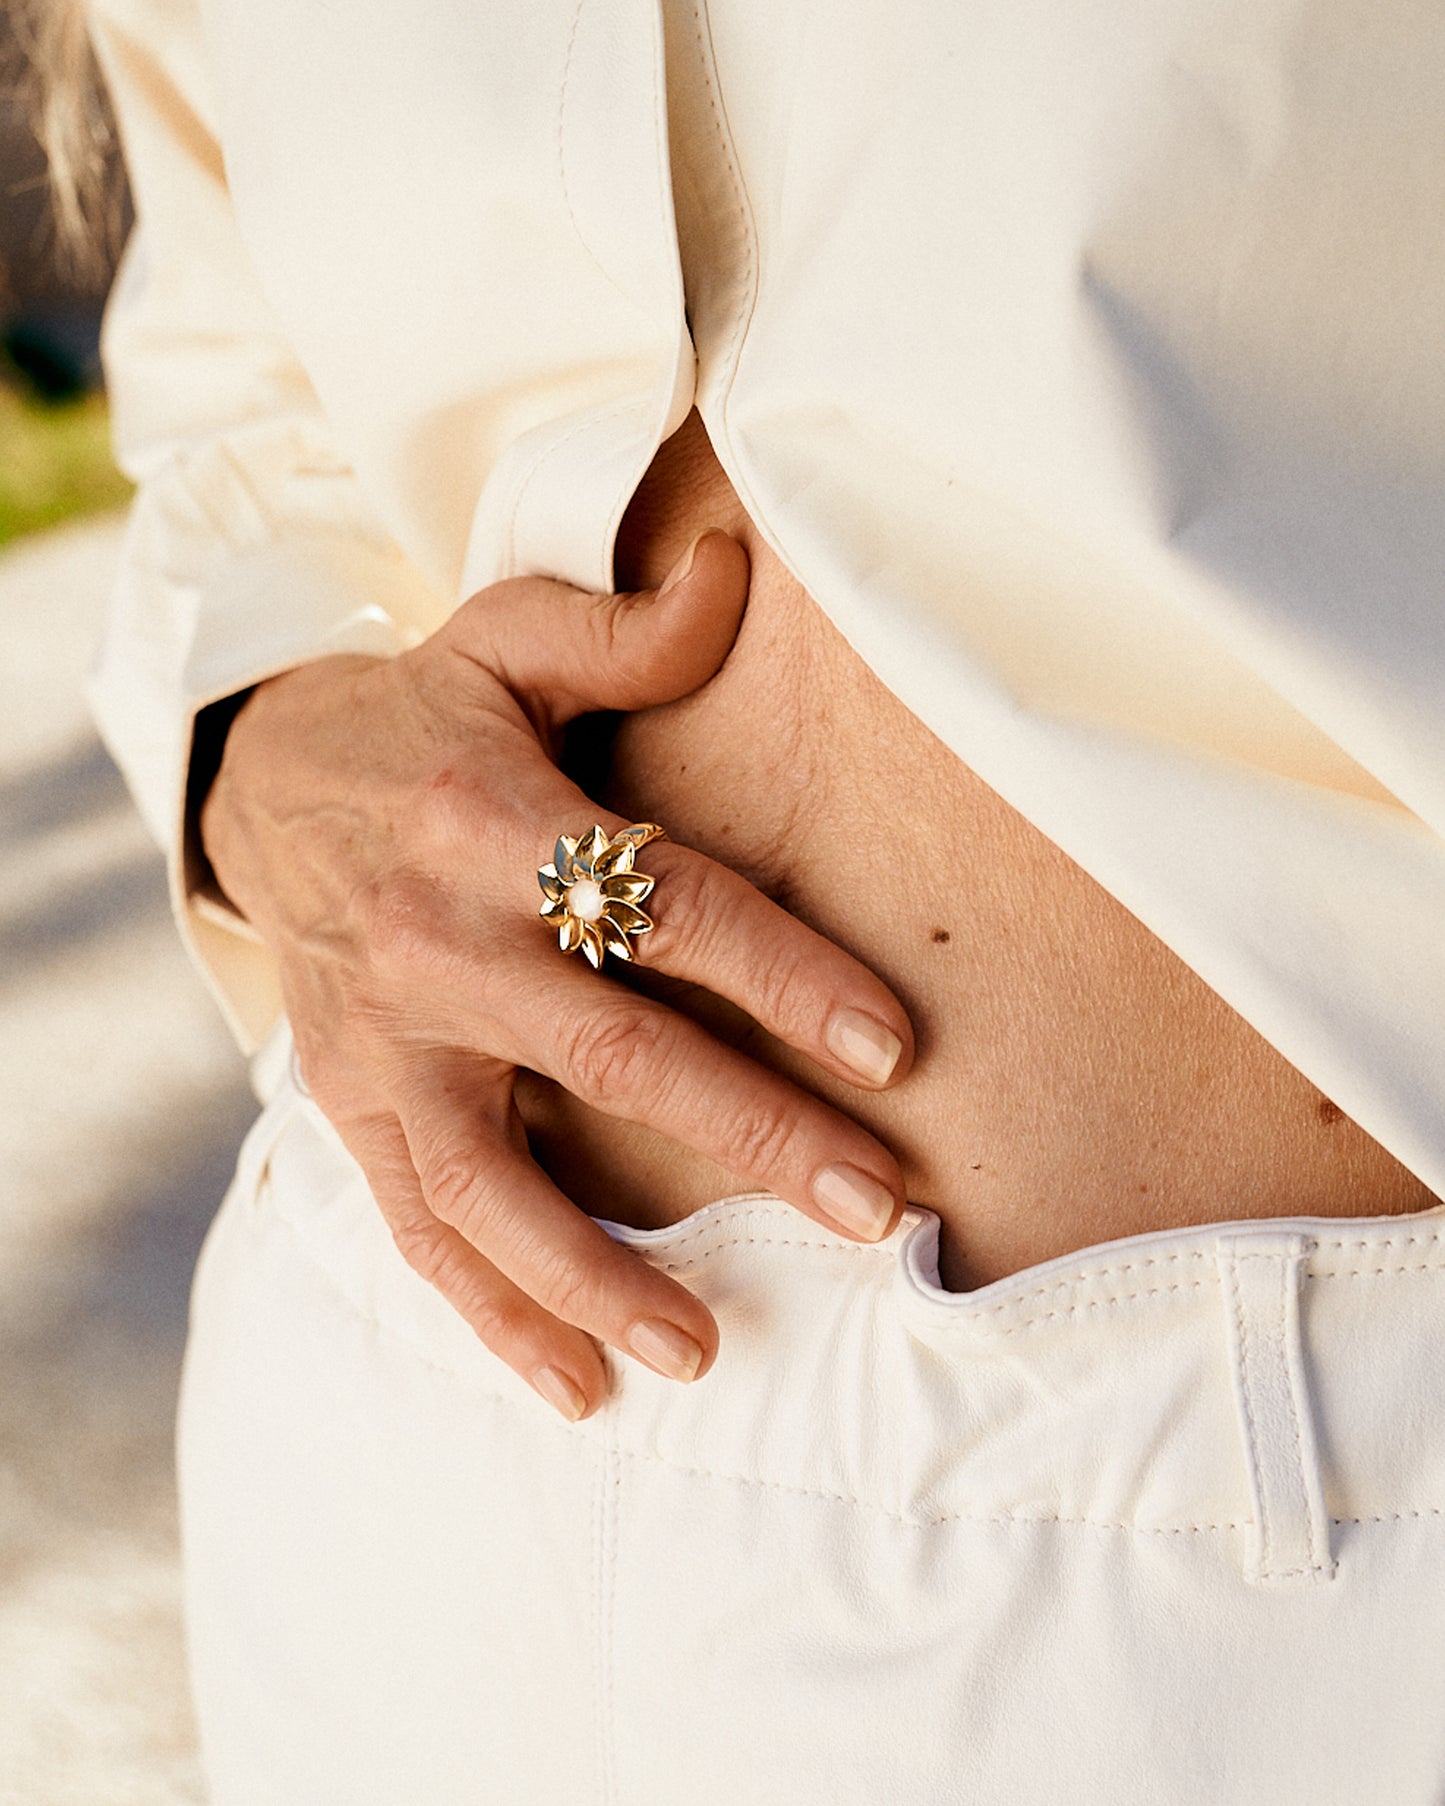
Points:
[(592, 946), (562, 857), (627, 887), (570, 935), (593, 842), (614, 939), (555, 913), (617, 856), (551, 884), (626, 917)]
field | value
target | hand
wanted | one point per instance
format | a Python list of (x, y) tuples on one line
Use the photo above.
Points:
[(380, 823)]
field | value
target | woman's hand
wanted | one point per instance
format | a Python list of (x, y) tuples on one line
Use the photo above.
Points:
[(381, 822)]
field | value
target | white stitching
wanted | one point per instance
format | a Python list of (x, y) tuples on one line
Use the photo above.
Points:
[(576, 224), (1394, 1517)]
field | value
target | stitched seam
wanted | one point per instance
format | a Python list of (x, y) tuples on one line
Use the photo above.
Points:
[(663, 166), (966, 1324), (576, 224), (1088, 1275), (612, 1609), (1081, 1277), (1394, 1517), (629, 485), (1100, 1304), (599, 1665), (610, 1481), (822, 1495), (761, 1241), (703, 32), (1386, 1241), (1419, 1266)]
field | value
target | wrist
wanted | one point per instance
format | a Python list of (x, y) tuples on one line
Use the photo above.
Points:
[(242, 744)]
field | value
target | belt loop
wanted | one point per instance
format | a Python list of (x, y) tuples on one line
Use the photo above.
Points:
[(1259, 1276)]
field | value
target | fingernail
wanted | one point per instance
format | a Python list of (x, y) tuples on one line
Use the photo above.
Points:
[(664, 1346), (682, 568), (561, 1391), (865, 1044), (855, 1200)]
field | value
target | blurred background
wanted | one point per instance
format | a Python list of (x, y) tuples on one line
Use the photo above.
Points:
[(122, 1098)]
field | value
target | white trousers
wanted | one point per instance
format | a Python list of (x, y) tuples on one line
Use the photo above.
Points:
[(1162, 1522)]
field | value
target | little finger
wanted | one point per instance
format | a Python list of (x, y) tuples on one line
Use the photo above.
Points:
[(494, 1197), (560, 1362)]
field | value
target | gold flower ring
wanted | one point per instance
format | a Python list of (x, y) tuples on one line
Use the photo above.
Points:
[(593, 891)]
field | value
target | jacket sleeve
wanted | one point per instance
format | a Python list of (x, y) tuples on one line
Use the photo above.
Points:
[(250, 545)]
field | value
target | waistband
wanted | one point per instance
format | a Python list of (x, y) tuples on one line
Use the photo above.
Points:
[(1272, 1380)]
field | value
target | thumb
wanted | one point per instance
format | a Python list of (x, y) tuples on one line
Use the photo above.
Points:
[(571, 652)]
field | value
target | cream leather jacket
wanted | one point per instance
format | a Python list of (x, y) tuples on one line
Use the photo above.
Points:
[(1085, 359)]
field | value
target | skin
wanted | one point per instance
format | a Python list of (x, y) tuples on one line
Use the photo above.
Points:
[(1060, 1079), (392, 872)]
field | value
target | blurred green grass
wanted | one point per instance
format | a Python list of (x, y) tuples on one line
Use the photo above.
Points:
[(55, 462)]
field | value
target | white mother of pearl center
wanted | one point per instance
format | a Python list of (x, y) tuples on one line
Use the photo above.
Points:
[(585, 900)]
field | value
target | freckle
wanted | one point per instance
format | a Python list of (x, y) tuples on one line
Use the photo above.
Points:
[(1329, 1112), (1143, 1191), (941, 936), (681, 770), (726, 828)]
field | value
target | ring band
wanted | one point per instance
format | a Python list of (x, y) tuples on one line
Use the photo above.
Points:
[(593, 890)]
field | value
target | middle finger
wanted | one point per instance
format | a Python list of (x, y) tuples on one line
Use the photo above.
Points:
[(631, 1057)]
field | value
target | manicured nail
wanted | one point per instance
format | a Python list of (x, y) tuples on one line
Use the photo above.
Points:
[(561, 1391), (666, 1347), (863, 1043), (855, 1200), (682, 568)]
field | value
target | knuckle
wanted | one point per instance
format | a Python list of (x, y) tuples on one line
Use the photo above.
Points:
[(426, 1250), (405, 922), (684, 909), (611, 1063), (631, 660), (498, 1319), (457, 1190), (759, 1138), (780, 981), (567, 1291)]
